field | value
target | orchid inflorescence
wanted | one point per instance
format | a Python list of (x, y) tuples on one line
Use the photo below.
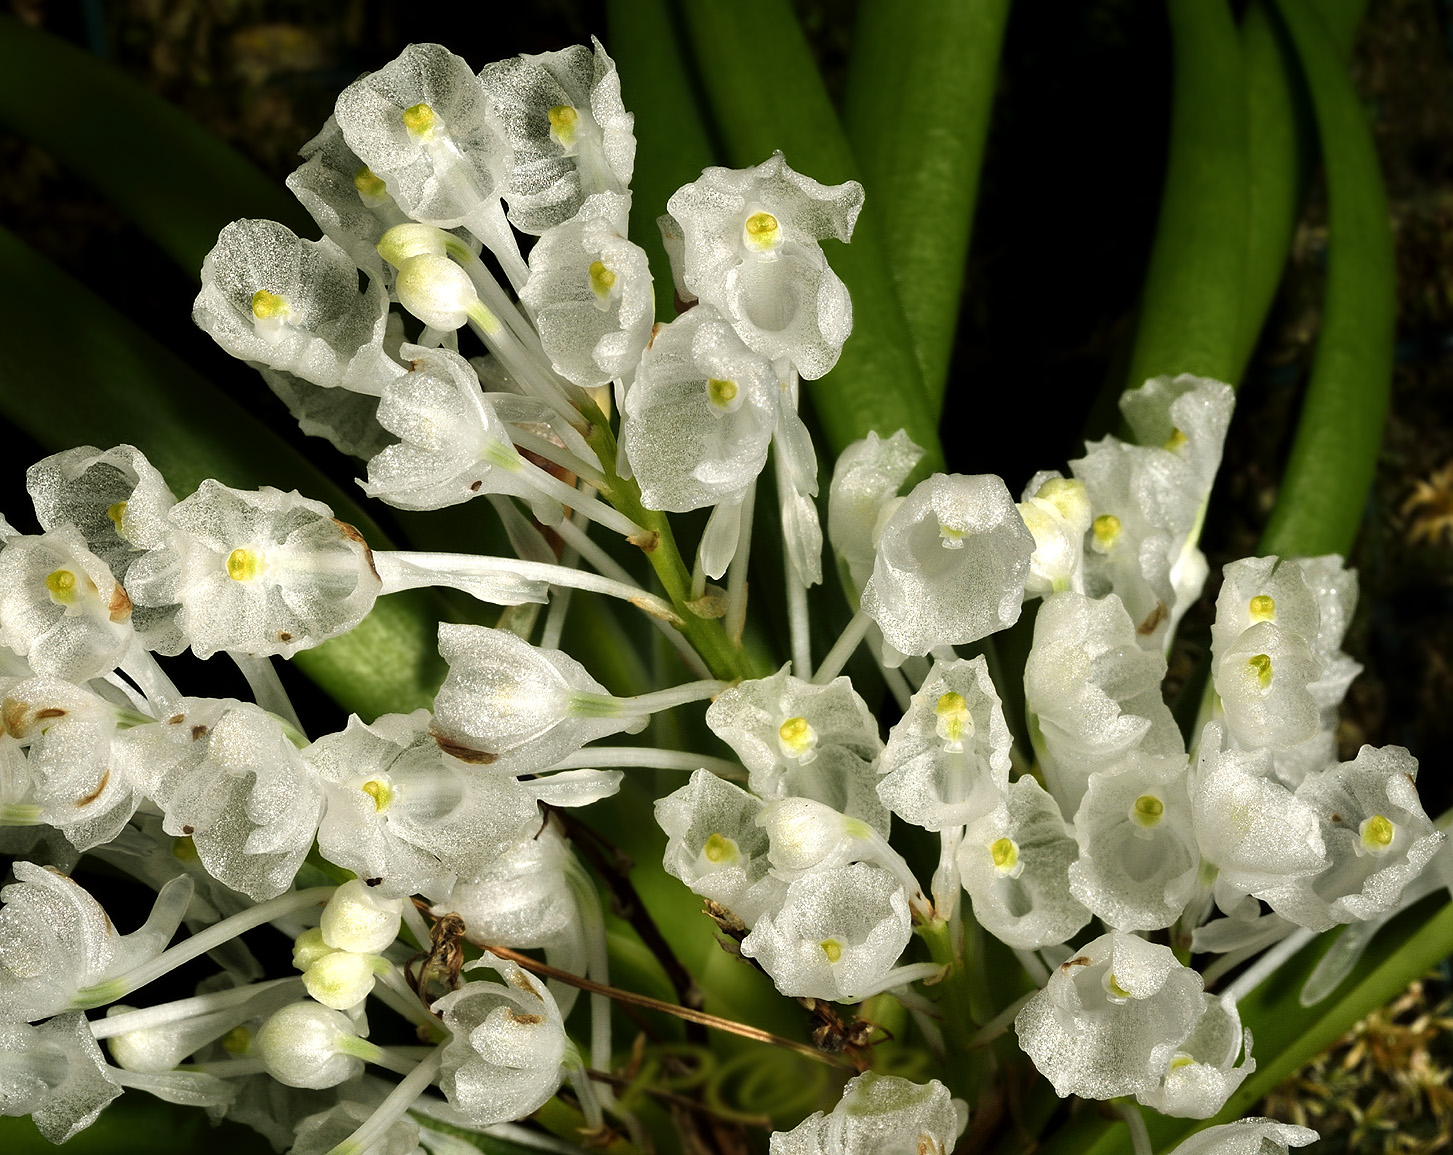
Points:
[(1107, 857)]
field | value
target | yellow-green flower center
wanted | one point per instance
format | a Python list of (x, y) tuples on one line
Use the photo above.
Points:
[(797, 736), (1106, 530), (1260, 665), (602, 280), (243, 565), (564, 121), (1148, 810), (369, 184), (762, 232), (832, 948), (954, 722), (381, 793), (1377, 834), (721, 850), (721, 393), (266, 305), (1005, 853), (1262, 608), (62, 586), (419, 118)]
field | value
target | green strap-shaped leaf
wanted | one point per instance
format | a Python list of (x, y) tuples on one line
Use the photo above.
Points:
[(137, 1124), (920, 91), (1190, 306), (107, 382), (766, 93), (1281, 146), (672, 145), (1339, 433), (177, 181)]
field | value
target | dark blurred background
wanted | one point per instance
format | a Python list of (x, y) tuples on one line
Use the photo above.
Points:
[(1067, 209)]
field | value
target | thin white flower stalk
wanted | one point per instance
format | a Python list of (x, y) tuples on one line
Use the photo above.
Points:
[(492, 578), (199, 944)]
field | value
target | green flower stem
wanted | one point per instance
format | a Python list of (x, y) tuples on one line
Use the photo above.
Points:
[(1190, 307), (1281, 146), (963, 1005), (1339, 434), (920, 91), (672, 145), (725, 659), (766, 93)]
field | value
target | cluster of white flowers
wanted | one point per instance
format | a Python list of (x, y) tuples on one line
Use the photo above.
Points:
[(421, 183)]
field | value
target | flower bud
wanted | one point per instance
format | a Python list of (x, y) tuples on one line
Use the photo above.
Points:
[(305, 1045), (357, 919), (437, 291)]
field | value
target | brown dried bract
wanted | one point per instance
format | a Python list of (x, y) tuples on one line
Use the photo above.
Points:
[(464, 753), (442, 961), (120, 607)]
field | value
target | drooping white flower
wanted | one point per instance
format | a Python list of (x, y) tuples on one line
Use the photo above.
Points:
[(750, 247), (1139, 860), (570, 136), (115, 497), (1111, 1019), (837, 934), (1247, 1137), (226, 776), (516, 707), (54, 1073), (505, 1058), (257, 571), (865, 484), (1093, 691), (880, 1115), (1057, 512), (1277, 667), (345, 198), (716, 847), (273, 299), (523, 900), (60, 607), (700, 414), (1203, 1073), (799, 739), (74, 780), (425, 126), (1377, 835), (57, 943), (1014, 862), (590, 293), (1147, 499), (947, 759), (404, 815), (452, 444), (805, 838), (951, 564), (1249, 826)]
